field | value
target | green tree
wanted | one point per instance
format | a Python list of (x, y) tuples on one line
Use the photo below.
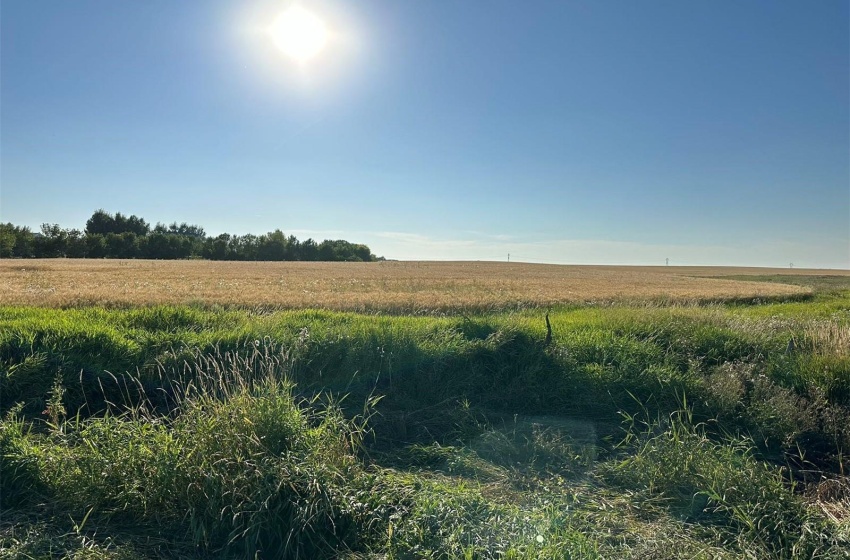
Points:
[(218, 248), (53, 241), (137, 225), (293, 249), (309, 250), (272, 246), (187, 230), (158, 246), (100, 223), (122, 245), (245, 247), (95, 246), (75, 244), (327, 251), (7, 241)]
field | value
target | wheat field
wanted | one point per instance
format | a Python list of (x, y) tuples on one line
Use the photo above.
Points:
[(382, 286)]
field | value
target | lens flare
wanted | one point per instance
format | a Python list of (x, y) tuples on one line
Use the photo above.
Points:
[(299, 33)]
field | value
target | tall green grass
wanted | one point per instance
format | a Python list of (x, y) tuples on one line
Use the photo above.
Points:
[(604, 360), (239, 466), (177, 432)]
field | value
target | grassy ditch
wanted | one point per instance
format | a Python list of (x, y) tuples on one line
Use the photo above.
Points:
[(191, 432)]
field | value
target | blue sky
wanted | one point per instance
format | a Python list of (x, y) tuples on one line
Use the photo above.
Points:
[(592, 132)]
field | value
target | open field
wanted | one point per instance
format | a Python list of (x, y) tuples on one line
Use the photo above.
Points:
[(383, 286), (244, 430)]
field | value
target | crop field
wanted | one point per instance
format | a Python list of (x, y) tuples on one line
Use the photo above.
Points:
[(394, 411), (382, 286)]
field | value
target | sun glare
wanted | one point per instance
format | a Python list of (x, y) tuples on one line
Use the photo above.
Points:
[(299, 33)]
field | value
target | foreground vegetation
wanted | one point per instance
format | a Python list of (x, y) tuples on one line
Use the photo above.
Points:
[(698, 431)]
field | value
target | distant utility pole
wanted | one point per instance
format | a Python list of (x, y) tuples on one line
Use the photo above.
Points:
[(667, 261), (509, 257)]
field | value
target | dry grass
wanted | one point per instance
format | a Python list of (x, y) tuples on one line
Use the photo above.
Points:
[(828, 338), (385, 286), (832, 495)]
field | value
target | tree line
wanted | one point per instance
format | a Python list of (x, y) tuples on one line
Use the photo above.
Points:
[(116, 236)]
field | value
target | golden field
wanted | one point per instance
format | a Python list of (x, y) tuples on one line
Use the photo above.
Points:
[(380, 286)]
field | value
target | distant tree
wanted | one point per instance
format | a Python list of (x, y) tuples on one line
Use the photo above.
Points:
[(158, 246), (342, 250), (327, 251), (129, 245), (362, 252), (293, 249), (136, 225), (119, 223), (122, 245), (272, 246), (52, 242), (246, 247), (218, 248), (188, 230), (172, 246), (191, 230), (120, 236), (100, 223), (16, 241), (309, 250), (75, 244), (7, 241), (95, 246), (185, 246), (24, 241)]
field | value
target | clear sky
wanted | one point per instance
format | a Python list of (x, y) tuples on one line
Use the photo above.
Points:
[(595, 132)]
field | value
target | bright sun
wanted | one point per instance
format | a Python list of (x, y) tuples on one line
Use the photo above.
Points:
[(299, 33)]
